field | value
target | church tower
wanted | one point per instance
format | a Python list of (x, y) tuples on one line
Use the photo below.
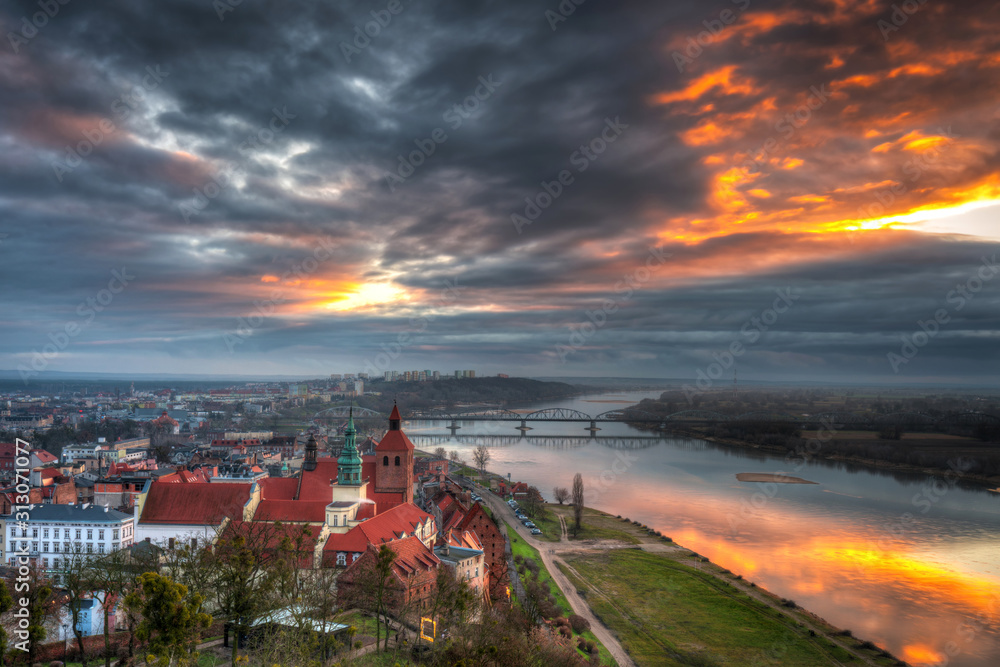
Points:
[(310, 460), (394, 460), (349, 461)]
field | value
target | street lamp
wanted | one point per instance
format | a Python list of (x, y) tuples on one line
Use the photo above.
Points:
[(65, 640)]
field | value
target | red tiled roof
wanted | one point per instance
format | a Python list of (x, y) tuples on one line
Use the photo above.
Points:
[(412, 556), (385, 527), (196, 503), (279, 488), (308, 511), (44, 456), (394, 441), (395, 413)]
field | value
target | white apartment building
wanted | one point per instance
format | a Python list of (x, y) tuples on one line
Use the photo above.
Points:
[(54, 533)]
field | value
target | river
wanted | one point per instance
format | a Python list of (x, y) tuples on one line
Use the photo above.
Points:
[(909, 562)]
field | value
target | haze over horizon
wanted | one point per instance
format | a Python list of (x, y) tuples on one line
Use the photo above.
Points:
[(242, 189)]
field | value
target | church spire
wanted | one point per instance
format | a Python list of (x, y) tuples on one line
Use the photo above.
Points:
[(394, 418), (349, 461)]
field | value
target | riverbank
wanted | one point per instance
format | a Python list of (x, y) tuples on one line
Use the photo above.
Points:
[(663, 604), (668, 605), (793, 457)]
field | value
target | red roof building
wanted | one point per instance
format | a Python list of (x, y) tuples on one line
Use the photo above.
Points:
[(413, 581)]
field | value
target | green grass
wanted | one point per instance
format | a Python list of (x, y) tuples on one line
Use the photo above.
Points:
[(521, 548), (548, 522), (667, 613)]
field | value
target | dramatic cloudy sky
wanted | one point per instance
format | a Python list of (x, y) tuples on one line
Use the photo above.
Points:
[(828, 151)]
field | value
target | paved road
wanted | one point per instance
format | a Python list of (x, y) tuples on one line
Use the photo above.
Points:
[(547, 550)]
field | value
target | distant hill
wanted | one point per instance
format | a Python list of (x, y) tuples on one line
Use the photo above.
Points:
[(449, 393)]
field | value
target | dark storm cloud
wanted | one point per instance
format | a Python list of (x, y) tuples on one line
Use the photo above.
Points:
[(322, 175)]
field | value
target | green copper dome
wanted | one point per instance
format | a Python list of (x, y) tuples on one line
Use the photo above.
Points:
[(349, 461)]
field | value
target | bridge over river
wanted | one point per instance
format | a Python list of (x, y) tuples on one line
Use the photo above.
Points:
[(684, 419)]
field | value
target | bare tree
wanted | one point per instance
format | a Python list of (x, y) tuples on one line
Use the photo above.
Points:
[(482, 458), (577, 500), (370, 588), (440, 453), (561, 494), (453, 456)]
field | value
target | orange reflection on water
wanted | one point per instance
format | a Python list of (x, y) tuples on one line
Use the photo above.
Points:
[(921, 654)]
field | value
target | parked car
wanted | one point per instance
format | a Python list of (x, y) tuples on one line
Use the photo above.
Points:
[(536, 531)]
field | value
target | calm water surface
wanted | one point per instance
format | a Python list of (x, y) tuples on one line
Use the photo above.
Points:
[(909, 562)]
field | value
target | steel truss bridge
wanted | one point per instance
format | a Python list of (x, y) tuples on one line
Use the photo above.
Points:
[(689, 418), (549, 441)]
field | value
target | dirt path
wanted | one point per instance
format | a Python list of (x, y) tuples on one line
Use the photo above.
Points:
[(550, 551), (547, 552)]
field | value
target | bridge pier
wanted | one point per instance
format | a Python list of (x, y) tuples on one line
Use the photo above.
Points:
[(593, 428), (454, 426), (524, 426)]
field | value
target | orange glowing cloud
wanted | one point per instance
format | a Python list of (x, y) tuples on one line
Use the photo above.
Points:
[(724, 79)]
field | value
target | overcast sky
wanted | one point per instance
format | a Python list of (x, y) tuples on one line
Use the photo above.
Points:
[(264, 188)]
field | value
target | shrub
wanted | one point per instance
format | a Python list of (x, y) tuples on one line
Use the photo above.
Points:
[(788, 603), (579, 623)]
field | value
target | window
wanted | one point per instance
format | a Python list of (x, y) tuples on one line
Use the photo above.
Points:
[(194, 543), (170, 544), (24, 532), (90, 547), (45, 532), (334, 519), (397, 460), (115, 534), (385, 460), (100, 548), (77, 533), (34, 532), (341, 558), (100, 534), (55, 547), (45, 546), (34, 547), (45, 562), (90, 533)]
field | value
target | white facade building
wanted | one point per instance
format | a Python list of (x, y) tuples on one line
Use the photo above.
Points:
[(54, 533)]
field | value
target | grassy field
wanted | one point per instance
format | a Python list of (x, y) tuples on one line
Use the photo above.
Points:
[(594, 526), (521, 548), (668, 613)]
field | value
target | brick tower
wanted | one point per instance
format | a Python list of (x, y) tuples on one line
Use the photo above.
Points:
[(394, 461)]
